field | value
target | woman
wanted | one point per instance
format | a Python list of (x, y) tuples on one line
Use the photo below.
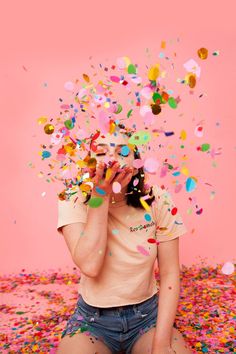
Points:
[(115, 246)]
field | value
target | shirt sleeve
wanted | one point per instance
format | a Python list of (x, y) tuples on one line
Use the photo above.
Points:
[(72, 210), (168, 219)]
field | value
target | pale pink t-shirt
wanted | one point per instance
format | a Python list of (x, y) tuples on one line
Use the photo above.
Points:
[(127, 276)]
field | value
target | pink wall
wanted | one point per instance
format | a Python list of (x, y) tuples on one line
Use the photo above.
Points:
[(50, 42)]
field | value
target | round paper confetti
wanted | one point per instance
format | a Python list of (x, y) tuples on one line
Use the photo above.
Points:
[(147, 217), (95, 202), (116, 187)]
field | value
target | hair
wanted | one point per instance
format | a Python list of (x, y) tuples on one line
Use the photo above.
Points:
[(134, 193), (140, 190)]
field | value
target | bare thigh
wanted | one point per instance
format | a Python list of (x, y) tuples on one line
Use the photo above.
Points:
[(80, 343), (144, 344)]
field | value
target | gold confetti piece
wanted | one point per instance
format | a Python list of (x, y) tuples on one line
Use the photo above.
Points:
[(81, 163), (92, 163), (49, 128), (183, 135), (190, 78), (85, 187), (154, 72), (185, 171), (156, 109), (42, 120), (112, 128), (108, 173), (163, 44), (144, 204), (86, 78), (69, 148), (202, 53), (163, 228)]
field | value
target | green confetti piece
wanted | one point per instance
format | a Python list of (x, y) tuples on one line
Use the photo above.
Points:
[(156, 96), (205, 147), (119, 109), (69, 124), (95, 202), (153, 83), (129, 113), (172, 102), (131, 69), (72, 193), (140, 138)]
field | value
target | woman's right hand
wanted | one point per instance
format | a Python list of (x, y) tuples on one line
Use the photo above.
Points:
[(104, 179)]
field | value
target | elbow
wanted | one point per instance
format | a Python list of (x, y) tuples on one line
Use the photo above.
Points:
[(86, 269), (89, 272)]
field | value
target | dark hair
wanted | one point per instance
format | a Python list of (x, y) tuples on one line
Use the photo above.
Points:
[(139, 190), (135, 192)]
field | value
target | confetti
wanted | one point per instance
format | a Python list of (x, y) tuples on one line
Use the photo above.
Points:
[(144, 204), (147, 217), (190, 184), (228, 268), (39, 304), (95, 202), (49, 128), (125, 150), (151, 165), (116, 187), (141, 98), (143, 251), (202, 53)]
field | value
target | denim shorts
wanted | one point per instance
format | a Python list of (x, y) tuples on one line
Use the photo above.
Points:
[(117, 327)]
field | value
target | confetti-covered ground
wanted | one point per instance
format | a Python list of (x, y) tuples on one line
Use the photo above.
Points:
[(36, 306)]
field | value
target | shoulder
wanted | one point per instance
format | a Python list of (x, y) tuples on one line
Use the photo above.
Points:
[(157, 191), (160, 191), (162, 196)]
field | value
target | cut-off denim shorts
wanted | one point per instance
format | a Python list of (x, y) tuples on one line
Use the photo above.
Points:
[(117, 327)]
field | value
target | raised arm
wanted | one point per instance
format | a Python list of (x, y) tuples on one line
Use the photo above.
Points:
[(87, 242), (89, 251)]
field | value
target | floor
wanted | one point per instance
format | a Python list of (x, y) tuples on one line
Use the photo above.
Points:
[(35, 307)]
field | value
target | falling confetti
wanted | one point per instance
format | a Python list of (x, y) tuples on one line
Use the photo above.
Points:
[(136, 98)]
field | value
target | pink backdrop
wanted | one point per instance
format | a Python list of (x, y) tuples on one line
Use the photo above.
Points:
[(46, 44)]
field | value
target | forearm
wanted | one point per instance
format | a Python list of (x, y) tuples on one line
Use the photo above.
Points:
[(91, 247), (167, 307)]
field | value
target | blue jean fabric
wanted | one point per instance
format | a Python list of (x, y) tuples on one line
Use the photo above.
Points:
[(117, 327)]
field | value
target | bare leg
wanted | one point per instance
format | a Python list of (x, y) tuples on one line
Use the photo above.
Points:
[(81, 343), (179, 344), (144, 344)]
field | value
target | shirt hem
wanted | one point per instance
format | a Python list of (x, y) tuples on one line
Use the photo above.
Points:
[(121, 304)]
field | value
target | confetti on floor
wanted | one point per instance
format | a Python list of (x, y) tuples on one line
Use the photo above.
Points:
[(35, 308)]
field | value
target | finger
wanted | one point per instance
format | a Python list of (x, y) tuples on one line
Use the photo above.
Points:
[(111, 172), (127, 178), (121, 175), (91, 172), (99, 172), (123, 178)]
